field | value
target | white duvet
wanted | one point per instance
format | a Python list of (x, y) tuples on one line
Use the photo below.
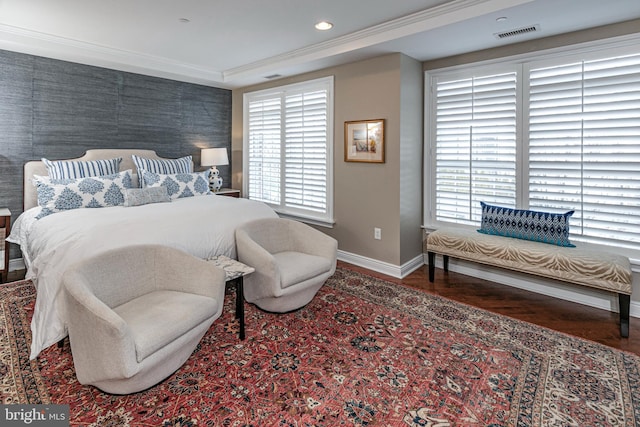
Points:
[(202, 226)]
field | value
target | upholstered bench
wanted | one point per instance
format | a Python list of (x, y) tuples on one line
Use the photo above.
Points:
[(584, 264)]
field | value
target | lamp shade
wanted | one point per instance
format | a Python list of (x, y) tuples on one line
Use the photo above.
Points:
[(214, 157)]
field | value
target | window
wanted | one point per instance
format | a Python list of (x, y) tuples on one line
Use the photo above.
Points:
[(475, 145), (288, 149), (584, 145), (568, 140)]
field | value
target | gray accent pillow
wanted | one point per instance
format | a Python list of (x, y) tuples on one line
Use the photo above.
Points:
[(143, 196)]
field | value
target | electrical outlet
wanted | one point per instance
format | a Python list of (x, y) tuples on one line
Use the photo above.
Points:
[(377, 233)]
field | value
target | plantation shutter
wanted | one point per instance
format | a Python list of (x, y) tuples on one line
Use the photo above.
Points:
[(288, 149), (306, 151), (584, 146), (264, 149), (475, 145)]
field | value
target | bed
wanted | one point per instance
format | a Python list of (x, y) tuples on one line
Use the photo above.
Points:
[(203, 226)]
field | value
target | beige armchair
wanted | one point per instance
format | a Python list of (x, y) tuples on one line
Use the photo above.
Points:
[(291, 259), (136, 314)]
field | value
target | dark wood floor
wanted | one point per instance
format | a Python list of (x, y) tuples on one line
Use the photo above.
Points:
[(12, 276), (576, 319)]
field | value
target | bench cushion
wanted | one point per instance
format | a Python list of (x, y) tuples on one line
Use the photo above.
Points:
[(584, 264)]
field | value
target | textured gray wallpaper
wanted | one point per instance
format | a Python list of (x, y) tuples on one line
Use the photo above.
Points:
[(58, 110)]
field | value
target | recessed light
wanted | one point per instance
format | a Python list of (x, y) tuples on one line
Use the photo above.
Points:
[(324, 26), (501, 19), (184, 20)]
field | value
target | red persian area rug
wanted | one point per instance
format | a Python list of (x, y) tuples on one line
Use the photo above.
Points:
[(364, 352)]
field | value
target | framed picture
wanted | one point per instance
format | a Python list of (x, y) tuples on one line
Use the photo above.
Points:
[(364, 141)]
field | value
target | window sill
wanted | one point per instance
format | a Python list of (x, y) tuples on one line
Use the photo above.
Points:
[(307, 220)]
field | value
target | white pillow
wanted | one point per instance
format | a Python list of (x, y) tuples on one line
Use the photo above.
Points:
[(56, 195), (179, 185)]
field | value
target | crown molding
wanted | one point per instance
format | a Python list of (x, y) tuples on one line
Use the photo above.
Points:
[(42, 44), (51, 46), (425, 20)]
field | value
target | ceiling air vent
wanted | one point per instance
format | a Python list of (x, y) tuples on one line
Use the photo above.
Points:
[(517, 32), (273, 76)]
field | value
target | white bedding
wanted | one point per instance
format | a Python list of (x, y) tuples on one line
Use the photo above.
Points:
[(202, 226)]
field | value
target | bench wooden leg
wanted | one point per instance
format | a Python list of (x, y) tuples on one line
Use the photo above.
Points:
[(431, 256), (624, 301), (432, 265)]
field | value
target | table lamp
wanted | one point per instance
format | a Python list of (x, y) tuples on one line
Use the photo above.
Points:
[(214, 157)]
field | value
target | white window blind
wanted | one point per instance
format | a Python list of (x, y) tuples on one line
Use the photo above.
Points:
[(264, 149), (306, 150), (569, 139), (584, 145), (475, 149), (288, 144)]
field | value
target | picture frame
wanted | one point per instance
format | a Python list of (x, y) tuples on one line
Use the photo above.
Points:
[(364, 141)]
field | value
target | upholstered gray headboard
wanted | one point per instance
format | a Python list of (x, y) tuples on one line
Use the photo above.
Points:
[(37, 167)]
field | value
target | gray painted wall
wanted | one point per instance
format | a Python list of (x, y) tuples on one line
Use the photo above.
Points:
[(57, 110), (369, 195), (411, 158)]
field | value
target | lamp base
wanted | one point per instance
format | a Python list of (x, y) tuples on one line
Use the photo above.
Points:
[(215, 182)]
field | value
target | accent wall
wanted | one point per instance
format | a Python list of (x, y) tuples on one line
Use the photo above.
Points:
[(57, 109)]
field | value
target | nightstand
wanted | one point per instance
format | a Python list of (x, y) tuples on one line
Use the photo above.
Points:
[(229, 192), (5, 228)]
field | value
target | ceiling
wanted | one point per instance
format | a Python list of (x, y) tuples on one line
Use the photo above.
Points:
[(235, 43)]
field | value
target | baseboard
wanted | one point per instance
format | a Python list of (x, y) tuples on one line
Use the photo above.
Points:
[(398, 271), (578, 294), (359, 260), (589, 297)]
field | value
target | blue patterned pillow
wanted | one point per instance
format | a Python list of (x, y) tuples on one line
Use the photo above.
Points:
[(179, 185), (56, 195), (70, 169), (542, 227), (162, 166)]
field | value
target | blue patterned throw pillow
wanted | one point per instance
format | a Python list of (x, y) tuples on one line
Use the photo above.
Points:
[(523, 224), (56, 195), (179, 185)]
